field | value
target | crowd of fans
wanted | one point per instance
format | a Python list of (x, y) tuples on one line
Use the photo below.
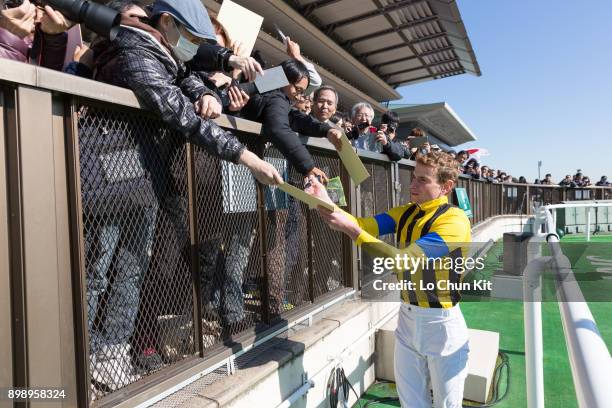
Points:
[(483, 172), (185, 68)]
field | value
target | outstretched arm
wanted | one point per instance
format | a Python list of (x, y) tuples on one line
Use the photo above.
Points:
[(448, 236)]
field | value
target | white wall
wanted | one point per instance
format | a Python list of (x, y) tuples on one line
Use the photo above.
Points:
[(495, 227)]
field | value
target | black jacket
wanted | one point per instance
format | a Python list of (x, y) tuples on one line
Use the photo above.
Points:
[(48, 50), (394, 150), (211, 57), (135, 60), (279, 124)]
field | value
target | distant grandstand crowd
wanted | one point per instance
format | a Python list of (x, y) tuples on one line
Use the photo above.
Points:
[(472, 168)]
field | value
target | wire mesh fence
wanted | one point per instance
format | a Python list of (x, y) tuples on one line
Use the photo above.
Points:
[(135, 235), (183, 251), (376, 197), (327, 258)]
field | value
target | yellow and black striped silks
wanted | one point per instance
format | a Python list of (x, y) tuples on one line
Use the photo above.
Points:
[(437, 233)]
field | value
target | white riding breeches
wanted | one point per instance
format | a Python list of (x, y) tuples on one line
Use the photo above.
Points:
[(431, 352)]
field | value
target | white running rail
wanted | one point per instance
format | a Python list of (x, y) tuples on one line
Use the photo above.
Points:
[(589, 357), (589, 205)]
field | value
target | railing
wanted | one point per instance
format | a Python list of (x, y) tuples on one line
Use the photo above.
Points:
[(131, 262), (588, 354), (134, 260)]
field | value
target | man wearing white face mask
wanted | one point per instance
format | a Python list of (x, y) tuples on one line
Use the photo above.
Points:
[(148, 57)]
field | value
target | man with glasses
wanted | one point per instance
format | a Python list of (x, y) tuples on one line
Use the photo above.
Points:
[(362, 136), (304, 104), (280, 122)]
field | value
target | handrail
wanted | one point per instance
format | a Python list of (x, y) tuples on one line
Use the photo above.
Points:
[(577, 205), (19, 73), (588, 205), (588, 354)]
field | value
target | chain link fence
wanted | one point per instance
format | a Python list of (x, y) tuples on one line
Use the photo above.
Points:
[(376, 197), (183, 251)]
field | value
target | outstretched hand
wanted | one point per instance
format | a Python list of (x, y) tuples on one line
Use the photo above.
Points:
[(335, 137), (337, 220), (316, 189)]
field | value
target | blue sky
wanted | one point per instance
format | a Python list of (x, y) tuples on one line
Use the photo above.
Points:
[(546, 87)]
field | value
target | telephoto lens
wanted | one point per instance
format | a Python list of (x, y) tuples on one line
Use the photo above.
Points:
[(98, 18)]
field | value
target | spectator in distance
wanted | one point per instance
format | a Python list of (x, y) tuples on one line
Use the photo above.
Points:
[(567, 182), (385, 135), (603, 182), (363, 135), (548, 180)]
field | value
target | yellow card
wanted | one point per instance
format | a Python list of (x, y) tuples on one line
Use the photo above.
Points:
[(352, 162)]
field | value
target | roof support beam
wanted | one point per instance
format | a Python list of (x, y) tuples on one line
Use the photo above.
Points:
[(398, 28), (310, 8), (424, 54), (434, 76), (404, 71), (408, 43), (402, 35), (378, 12)]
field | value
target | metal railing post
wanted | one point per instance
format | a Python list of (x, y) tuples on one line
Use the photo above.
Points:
[(310, 256), (588, 226), (263, 247), (534, 344), (194, 253)]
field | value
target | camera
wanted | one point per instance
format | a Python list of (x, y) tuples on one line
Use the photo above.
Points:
[(248, 87), (98, 18), (359, 128)]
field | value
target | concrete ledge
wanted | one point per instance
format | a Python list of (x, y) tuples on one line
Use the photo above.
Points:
[(276, 372), (223, 392), (20, 73)]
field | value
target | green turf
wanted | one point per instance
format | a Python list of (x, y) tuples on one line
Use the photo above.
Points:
[(380, 390), (506, 317), (598, 237), (595, 280)]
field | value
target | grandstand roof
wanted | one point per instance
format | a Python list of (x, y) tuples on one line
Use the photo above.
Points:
[(376, 45), (439, 119)]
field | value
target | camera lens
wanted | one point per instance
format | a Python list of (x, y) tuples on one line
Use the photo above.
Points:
[(99, 18)]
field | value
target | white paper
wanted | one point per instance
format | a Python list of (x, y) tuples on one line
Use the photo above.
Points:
[(241, 24), (273, 78)]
